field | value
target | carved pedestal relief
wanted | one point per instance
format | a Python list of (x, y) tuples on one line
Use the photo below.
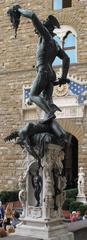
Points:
[(41, 191)]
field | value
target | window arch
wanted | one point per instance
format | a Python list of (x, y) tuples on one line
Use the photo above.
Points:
[(59, 4), (67, 39), (69, 46)]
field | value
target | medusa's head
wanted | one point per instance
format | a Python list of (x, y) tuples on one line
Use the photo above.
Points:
[(14, 17)]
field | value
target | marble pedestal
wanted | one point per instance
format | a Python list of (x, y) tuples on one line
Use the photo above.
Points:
[(46, 220), (44, 229)]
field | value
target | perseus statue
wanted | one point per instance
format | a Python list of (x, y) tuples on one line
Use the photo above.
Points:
[(47, 50)]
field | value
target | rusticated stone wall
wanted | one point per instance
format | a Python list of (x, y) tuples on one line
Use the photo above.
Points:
[(17, 61)]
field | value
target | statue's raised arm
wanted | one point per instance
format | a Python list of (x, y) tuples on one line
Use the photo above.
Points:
[(39, 27), (16, 11)]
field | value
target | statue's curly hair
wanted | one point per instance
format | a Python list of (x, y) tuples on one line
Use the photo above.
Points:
[(51, 22)]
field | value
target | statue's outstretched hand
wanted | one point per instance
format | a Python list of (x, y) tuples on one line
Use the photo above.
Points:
[(61, 81), (16, 7)]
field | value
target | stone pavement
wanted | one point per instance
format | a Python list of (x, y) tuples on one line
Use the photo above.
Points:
[(79, 228)]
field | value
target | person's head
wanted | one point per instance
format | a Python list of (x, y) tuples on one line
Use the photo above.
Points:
[(78, 213), (74, 213), (51, 23)]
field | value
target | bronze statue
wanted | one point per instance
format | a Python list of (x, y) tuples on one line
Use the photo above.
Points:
[(57, 191), (35, 137), (37, 185), (47, 50)]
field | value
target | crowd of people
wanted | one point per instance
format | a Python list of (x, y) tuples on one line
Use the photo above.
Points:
[(76, 216), (9, 218)]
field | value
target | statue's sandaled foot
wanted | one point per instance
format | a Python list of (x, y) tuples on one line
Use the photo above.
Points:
[(37, 205), (55, 108), (48, 118)]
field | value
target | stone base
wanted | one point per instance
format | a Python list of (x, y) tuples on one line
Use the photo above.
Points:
[(44, 229)]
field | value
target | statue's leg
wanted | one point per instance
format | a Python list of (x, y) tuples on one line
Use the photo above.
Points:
[(55, 204), (37, 197), (47, 95), (35, 94), (59, 132), (48, 92), (57, 129)]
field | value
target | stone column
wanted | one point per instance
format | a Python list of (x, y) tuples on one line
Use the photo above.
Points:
[(52, 160)]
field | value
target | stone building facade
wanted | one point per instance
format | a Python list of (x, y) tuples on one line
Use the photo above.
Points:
[(17, 70)]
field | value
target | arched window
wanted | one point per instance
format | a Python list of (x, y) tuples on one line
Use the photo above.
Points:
[(66, 38), (59, 4), (69, 46)]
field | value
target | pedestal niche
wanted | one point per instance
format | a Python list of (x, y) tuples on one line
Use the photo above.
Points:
[(42, 197)]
